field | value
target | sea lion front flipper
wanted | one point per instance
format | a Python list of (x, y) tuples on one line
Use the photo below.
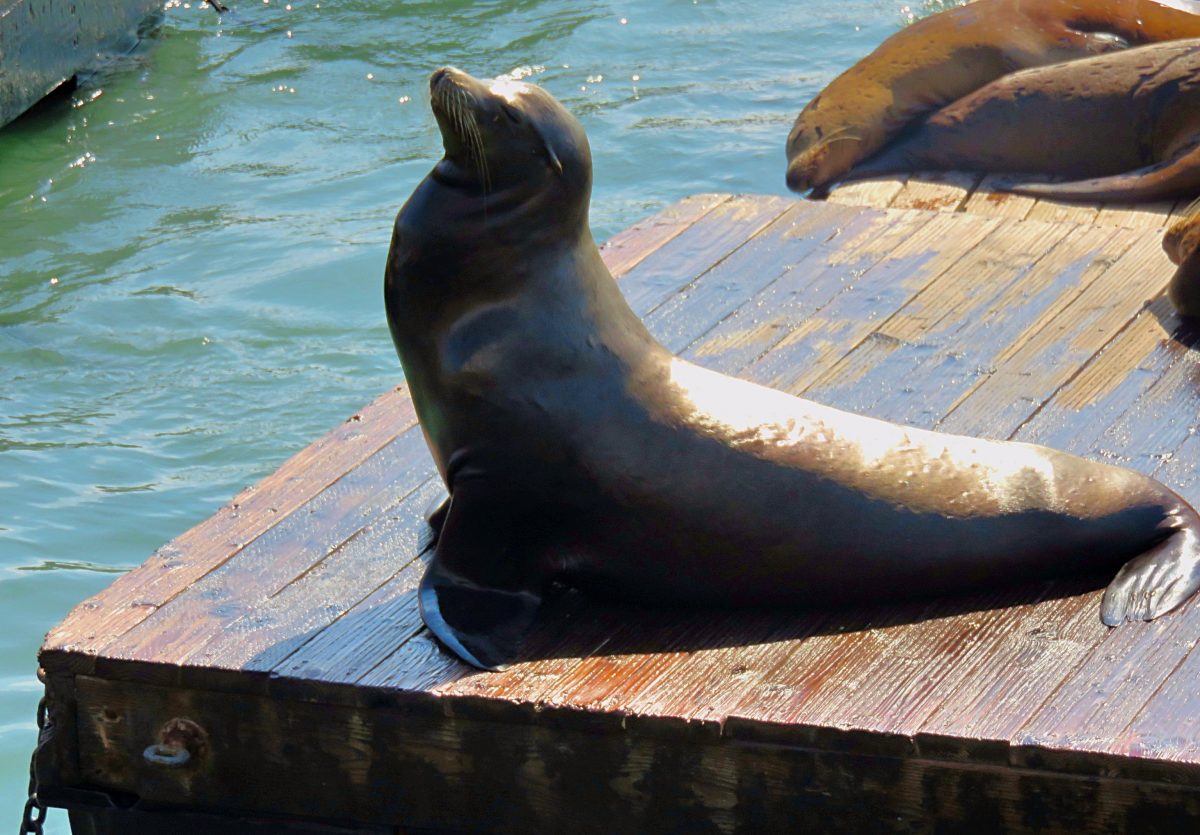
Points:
[(481, 592), (1160, 579), (435, 518)]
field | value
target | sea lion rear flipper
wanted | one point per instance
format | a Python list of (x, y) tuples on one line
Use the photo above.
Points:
[(480, 593), (1160, 579), (1179, 175)]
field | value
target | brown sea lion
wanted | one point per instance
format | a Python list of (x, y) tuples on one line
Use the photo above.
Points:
[(576, 448), (1182, 243), (1129, 121), (944, 57)]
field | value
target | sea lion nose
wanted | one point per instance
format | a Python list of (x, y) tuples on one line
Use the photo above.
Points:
[(445, 75)]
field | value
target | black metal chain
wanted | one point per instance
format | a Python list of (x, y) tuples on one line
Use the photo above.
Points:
[(35, 811)]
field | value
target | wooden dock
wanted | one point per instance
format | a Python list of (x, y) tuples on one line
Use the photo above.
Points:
[(45, 43), (285, 630)]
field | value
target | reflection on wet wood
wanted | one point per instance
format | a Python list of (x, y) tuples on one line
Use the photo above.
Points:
[(287, 626)]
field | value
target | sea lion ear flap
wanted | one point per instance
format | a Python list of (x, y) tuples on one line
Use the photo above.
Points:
[(551, 156), (475, 597)]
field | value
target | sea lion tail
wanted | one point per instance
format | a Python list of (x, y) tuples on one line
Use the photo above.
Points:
[(1175, 177), (1163, 577)]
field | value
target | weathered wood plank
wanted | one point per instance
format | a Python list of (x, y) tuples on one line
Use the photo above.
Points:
[(1105, 693), (1168, 727), (894, 690), (290, 549), (629, 247), (878, 192), (944, 191), (1000, 689), (723, 229), (1136, 215), (1074, 333), (1062, 212), (808, 338), (1086, 404), (801, 236), (750, 329), (344, 766), (860, 380), (964, 348), (133, 597), (270, 629), (987, 201)]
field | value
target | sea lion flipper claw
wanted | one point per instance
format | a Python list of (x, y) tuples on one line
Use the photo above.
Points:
[(478, 595), (1155, 582)]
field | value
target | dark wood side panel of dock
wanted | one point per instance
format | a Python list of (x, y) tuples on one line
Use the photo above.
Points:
[(286, 627)]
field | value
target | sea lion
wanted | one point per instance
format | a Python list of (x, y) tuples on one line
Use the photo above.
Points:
[(1129, 121), (1182, 243), (944, 57), (577, 448)]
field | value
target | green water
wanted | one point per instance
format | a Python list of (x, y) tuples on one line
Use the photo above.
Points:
[(192, 244)]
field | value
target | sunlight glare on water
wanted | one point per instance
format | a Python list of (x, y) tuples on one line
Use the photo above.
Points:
[(192, 242)]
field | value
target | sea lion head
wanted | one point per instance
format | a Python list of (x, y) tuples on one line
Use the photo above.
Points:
[(510, 144), (1182, 244)]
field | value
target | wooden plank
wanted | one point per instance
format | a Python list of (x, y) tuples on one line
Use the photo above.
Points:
[(847, 642), (290, 549), (429, 769), (750, 327), (884, 701), (986, 201), (1001, 689), (629, 247), (1073, 333), (269, 629), (1168, 726), (721, 231), (861, 379), (174, 567), (1108, 386), (878, 192), (944, 191), (966, 347), (1059, 211), (1153, 215), (801, 236), (1104, 694), (806, 338)]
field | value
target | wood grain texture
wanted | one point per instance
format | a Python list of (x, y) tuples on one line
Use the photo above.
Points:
[(879, 192), (945, 191)]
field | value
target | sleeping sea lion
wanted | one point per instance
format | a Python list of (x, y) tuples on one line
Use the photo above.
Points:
[(944, 57), (1130, 122), (576, 448)]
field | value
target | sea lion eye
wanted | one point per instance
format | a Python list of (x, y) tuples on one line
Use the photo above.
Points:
[(511, 112)]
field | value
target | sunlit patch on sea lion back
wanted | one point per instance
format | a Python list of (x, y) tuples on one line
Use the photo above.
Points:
[(576, 448)]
